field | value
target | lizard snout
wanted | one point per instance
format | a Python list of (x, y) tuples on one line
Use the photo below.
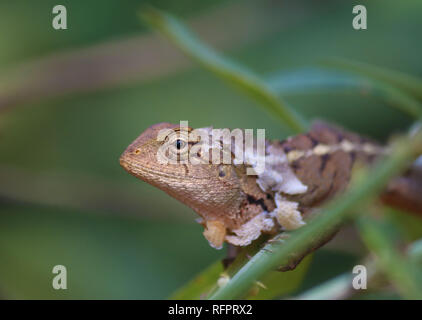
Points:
[(123, 161)]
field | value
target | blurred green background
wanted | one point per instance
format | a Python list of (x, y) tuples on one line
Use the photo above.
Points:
[(72, 100)]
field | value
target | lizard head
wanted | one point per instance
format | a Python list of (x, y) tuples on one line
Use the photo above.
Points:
[(159, 157)]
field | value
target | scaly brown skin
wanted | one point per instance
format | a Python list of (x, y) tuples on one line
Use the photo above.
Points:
[(226, 198)]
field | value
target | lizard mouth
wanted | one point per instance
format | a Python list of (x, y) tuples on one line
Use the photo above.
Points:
[(145, 172), (139, 170)]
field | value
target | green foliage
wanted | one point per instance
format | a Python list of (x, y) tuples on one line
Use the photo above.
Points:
[(60, 183)]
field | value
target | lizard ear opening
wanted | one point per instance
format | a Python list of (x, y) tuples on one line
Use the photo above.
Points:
[(224, 171), (221, 172)]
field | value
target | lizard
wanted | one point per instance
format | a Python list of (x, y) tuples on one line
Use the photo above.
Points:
[(301, 173)]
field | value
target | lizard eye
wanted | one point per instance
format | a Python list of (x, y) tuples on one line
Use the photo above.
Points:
[(180, 144), (178, 147)]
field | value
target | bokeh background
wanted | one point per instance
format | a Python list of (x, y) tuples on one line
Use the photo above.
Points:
[(72, 100)]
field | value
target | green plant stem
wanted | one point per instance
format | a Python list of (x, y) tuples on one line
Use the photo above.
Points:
[(276, 254)]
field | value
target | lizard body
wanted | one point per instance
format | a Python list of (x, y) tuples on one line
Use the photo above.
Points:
[(300, 174)]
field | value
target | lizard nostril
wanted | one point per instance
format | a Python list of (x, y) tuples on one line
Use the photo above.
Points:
[(137, 151)]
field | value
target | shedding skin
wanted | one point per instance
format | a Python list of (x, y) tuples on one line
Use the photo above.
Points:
[(301, 173), (215, 233)]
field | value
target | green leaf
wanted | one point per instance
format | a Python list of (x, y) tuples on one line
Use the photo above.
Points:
[(243, 78), (313, 80), (405, 82)]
